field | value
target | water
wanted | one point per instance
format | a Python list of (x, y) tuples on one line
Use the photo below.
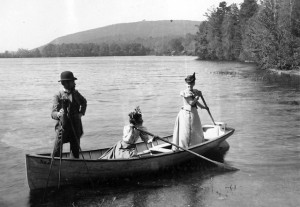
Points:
[(265, 146)]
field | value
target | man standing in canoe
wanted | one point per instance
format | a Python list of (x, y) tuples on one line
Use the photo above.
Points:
[(188, 129), (68, 108)]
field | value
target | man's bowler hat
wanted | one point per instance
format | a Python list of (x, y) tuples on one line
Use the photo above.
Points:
[(67, 75)]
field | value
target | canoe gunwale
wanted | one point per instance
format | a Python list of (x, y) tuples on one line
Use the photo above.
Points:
[(224, 136), (37, 166)]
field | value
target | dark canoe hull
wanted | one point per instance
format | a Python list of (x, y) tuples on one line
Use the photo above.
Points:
[(76, 171)]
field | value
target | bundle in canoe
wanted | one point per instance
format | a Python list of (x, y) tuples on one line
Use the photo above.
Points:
[(151, 158)]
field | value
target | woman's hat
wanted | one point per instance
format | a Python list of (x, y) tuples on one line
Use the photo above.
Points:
[(67, 75), (135, 116), (190, 78)]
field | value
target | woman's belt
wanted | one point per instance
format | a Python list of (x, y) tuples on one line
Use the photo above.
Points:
[(188, 107)]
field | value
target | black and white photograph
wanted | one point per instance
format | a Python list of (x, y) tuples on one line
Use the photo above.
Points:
[(149, 103)]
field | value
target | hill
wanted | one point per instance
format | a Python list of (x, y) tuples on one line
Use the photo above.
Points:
[(165, 37), (139, 32)]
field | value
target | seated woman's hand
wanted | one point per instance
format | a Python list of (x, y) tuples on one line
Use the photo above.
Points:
[(152, 139)]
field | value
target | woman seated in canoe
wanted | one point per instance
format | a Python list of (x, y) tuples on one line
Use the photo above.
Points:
[(188, 129), (125, 148)]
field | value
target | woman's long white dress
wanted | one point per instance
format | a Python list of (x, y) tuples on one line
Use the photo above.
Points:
[(188, 129)]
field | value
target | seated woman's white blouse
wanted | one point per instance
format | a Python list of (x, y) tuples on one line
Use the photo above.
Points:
[(131, 135)]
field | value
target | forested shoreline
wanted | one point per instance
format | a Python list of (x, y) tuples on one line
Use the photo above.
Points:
[(81, 50), (174, 46), (265, 32)]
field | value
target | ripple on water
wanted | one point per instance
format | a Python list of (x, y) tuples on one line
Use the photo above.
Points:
[(265, 114)]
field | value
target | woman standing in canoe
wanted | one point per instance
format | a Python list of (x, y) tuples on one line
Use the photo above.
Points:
[(188, 129), (126, 147)]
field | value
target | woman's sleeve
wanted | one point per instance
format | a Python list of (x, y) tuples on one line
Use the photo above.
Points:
[(186, 94), (55, 107), (127, 134), (144, 136)]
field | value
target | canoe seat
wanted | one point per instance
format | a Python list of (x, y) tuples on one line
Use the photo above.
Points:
[(162, 148), (145, 153), (164, 145)]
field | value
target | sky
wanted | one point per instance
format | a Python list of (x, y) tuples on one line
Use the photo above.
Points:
[(28, 24)]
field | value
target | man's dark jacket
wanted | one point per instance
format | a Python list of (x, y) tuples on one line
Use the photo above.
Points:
[(78, 105)]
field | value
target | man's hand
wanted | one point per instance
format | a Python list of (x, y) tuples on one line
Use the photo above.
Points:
[(60, 113)]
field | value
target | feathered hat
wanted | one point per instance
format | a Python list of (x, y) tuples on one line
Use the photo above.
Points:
[(190, 78)]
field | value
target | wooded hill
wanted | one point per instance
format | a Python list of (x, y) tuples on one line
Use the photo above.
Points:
[(136, 32), (166, 37)]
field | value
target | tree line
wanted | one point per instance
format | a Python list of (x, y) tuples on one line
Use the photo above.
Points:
[(80, 50), (267, 33), (174, 46)]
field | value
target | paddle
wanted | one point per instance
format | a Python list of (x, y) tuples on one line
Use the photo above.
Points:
[(62, 125), (76, 140), (219, 164), (60, 157), (52, 159), (207, 109)]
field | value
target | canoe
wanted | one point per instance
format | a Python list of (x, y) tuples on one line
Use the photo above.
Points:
[(150, 158)]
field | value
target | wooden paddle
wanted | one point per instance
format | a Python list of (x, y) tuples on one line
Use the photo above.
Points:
[(76, 140), (52, 159), (207, 109), (219, 164), (62, 126)]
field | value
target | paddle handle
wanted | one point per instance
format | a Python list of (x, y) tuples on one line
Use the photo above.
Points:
[(208, 110), (194, 153)]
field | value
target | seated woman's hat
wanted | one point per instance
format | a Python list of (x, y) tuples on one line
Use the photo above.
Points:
[(135, 116), (190, 78), (67, 75)]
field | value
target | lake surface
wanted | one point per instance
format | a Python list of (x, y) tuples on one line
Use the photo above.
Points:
[(265, 146)]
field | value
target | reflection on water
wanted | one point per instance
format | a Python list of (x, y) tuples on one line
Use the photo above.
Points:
[(265, 114), (187, 182)]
